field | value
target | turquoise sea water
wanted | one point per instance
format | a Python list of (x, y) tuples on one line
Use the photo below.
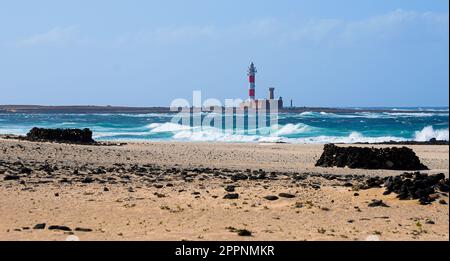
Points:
[(307, 127)]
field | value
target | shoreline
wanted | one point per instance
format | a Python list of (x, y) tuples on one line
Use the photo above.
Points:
[(205, 191), (433, 142)]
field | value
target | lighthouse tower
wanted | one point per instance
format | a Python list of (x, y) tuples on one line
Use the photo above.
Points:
[(251, 78)]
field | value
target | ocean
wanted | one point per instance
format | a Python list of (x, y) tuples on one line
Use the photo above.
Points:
[(306, 127)]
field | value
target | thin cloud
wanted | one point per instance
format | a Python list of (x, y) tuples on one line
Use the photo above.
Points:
[(318, 32), (166, 35), (398, 23), (56, 36)]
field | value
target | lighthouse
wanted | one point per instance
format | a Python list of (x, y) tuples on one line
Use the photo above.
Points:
[(270, 102), (251, 79)]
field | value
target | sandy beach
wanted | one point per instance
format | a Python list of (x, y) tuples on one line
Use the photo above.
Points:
[(175, 191)]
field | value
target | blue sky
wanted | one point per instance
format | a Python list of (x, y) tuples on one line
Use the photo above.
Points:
[(147, 53)]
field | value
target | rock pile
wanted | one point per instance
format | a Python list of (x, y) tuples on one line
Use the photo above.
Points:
[(417, 186), (370, 158), (80, 136)]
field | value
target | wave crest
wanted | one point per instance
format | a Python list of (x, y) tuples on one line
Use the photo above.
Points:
[(290, 128), (167, 127), (429, 132)]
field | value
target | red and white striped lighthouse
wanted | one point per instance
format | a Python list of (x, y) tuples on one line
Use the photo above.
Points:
[(251, 78)]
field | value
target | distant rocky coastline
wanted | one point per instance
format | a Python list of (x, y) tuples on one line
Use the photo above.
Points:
[(432, 141), (136, 110)]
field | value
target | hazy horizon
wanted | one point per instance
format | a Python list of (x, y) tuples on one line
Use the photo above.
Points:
[(146, 53), (287, 105)]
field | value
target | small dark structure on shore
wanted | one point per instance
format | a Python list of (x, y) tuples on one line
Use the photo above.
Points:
[(417, 186), (79, 136), (370, 158)]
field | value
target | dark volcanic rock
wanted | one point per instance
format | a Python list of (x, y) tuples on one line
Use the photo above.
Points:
[(240, 232), (374, 182), (25, 170), (83, 136), (63, 228), (417, 185), (11, 177), (377, 203), (80, 229), (39, 226), (300, 177), (231, 196), (230, 188), (370, 158), (271, 198), (239, 176), (430, 222), (286, 195), (87, 180), (244, 233)]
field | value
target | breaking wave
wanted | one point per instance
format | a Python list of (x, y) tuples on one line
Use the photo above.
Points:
[(290, 128), (354, 137), (215, 135), (134, 115), (371, 115), (14, 131), (167, 127), (429, 132), (305, 127)]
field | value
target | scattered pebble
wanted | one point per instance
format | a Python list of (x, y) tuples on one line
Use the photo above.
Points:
[(271, 197), (231, 196), (39, 226), (429, 221), (286, 195), (377, 203), (80, 229), (230, 188), (56, 227)]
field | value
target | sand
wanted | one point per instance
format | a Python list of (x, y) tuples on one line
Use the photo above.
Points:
[(174, 191)]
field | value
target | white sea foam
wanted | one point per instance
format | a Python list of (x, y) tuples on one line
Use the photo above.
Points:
[(14, 131), (411, 114), (212, 134), (131, 115), (429, 132), (292, 129), (167, 127), (97, 135), (307, 113), (216, 135), (354, 137), (373, 115)]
